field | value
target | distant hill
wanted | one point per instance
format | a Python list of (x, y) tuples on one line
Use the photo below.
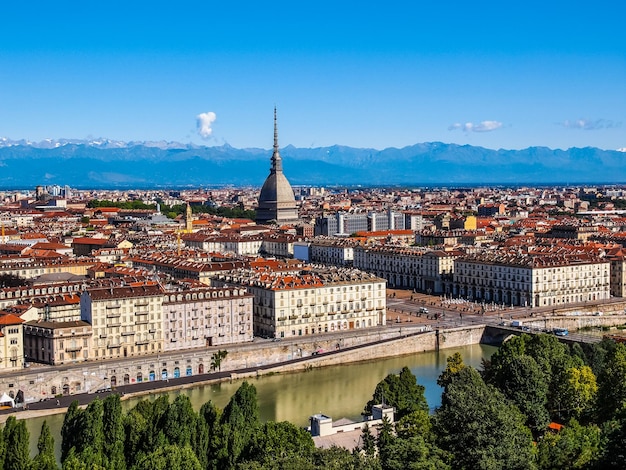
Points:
[(111, 164)]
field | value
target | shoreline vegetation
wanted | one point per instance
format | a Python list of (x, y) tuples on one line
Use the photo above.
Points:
[(536, 403)]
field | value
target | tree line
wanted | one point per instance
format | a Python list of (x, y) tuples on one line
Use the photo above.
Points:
[(177, 209), (496, 417)]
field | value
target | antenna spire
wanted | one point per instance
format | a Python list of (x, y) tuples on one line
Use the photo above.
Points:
[(277, 161)]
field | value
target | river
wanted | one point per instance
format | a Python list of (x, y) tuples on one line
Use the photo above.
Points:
[(337, 391)]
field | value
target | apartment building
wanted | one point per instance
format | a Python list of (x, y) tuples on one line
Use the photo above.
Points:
[(195, 318), (11, 342), (311, 300), (408, 267), (333, 251), (57, 342), (345, 223), (126, 320), (28, 269), (532, 280)]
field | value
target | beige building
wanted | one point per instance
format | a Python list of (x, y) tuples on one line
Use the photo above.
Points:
[(29, 269), (11, 342), (126, 321), (618, 273), (206, 317), (311, 301), (333, 251), (531, 280), (408, 268), (184, 269), (59, 342)]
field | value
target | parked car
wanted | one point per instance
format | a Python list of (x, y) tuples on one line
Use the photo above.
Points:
[(561, 331)]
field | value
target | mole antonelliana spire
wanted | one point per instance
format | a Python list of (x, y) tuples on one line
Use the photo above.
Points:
[(276, 200)]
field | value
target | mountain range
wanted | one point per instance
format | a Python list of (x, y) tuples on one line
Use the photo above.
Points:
[(103, 163)]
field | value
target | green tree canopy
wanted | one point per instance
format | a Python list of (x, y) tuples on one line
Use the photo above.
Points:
[(400, 391), (480, 428), (575, 446), (612, 383), (169, 457), (16, 436), (45, 458)]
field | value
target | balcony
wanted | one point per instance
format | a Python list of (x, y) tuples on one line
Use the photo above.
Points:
[(141, 322), (127, 333), (293, 317), (113, 314), (141, 342), (73, 349)]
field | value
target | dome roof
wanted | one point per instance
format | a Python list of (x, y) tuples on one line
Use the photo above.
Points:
[(276, 200), (277, 189)]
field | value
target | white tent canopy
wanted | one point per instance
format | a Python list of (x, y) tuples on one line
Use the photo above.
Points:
[(7, 400)]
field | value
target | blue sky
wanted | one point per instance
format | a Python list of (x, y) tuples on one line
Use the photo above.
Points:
[(363, 74)]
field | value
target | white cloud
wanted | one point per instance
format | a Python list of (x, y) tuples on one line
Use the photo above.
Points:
[(589, 124), (483, 126), (203, 124)]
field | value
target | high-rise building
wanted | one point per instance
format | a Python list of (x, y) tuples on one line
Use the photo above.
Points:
[(277, 202)]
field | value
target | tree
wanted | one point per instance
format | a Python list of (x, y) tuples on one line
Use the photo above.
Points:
[(240, 421), (217, 358), (612, 383), (179, 424), (578, 392), (415, 424), (276, 444), (92, 428), (524, 383), (575, 446), (169, 457), (15, 435), (454, 366), (113, 429), (70, 432), (335, 458), (400, 391), (368, 445), (480, 428), (614, 433), (45, 459), (210, 415), (143, 427)]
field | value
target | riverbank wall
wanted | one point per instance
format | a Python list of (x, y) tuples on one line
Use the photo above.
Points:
[(402, 346)]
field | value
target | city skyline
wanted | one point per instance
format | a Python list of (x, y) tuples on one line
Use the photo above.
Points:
[(530, 75)]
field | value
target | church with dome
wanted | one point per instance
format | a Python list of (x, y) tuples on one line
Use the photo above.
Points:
[(277, 203)]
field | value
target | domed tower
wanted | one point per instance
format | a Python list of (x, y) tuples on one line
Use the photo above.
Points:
[(276, 200)]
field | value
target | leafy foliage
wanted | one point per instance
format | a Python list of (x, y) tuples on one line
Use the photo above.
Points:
[(480, 428), (400, 391)]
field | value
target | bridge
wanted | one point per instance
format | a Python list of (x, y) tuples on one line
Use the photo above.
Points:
[(498, 334)]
